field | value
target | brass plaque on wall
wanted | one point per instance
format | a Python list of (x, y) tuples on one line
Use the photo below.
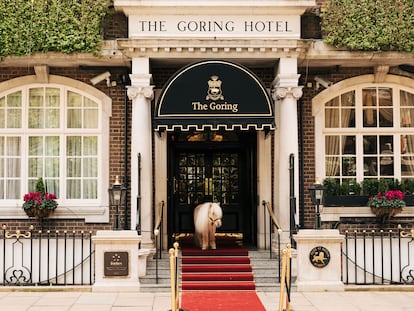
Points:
[(116, 264)]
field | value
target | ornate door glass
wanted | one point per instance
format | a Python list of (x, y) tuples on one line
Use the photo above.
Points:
[(208, 177), (191, 178), (225, 176)]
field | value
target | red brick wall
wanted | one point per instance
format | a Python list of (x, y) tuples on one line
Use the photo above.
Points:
[(115, 25)]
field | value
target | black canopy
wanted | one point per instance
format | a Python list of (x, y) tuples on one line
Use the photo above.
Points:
[(214, 94)]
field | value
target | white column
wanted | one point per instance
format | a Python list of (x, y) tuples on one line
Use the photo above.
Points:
[(141, 93), (160, 168), (264, 186), (286, 93)]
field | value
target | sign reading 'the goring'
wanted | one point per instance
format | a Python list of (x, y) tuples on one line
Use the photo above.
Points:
[(229, 26)]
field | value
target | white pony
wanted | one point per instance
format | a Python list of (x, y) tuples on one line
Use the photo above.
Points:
[(207, 217)]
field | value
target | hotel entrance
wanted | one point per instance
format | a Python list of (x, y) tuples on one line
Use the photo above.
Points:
[(217, 167), (212, 111)]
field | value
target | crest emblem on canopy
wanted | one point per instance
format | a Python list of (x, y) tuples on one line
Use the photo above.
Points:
[(214, 89)]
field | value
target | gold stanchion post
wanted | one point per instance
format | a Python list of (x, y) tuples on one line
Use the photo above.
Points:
[(282, 280), (177, 294), (285, 278), (288, 262), (172, 275)]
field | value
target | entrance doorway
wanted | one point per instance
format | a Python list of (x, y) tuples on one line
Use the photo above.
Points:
[(213, 167)]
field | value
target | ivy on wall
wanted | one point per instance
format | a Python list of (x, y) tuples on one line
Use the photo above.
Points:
[(66, 26), (370, 25)]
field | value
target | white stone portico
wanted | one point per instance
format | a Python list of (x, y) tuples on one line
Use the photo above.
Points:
[(253, 33)]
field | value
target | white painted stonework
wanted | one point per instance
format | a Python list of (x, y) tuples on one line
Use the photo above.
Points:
[(311, 278), (116, 241), (281, 26)]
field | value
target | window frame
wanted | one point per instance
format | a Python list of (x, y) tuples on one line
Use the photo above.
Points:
[(397, 83), (95, 210)]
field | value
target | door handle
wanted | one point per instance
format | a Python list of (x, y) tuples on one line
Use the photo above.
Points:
[(175, 185), (208, 186)]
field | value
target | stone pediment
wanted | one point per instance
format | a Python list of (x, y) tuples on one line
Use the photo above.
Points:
[(213, 19)]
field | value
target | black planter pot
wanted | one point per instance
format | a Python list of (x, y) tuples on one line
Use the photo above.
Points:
[(347, 200), (409, 200)]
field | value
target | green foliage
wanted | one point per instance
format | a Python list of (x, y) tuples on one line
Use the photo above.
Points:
[(332, 186), (66, 26), (348, 187), (407, 186), (380, 25), (370, 186), (40, 186)]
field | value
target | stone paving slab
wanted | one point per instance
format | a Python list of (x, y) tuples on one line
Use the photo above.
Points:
[(300, 301)]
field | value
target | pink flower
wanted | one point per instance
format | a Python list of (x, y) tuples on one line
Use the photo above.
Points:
[(50, 196), (394, 194)]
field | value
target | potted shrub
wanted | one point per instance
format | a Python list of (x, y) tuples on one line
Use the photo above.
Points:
[(39, 204), (370, 187), (387, 205)]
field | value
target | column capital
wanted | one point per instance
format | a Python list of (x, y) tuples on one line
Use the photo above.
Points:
[(135, 92), (282, 92)]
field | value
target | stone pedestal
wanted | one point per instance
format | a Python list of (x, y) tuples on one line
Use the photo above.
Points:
[(319, 260), (116, 261), (142, 261)]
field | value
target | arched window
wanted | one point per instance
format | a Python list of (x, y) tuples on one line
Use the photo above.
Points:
[(365, 130), (57, 132)]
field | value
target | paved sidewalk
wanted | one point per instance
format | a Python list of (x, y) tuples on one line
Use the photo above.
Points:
[(307, 301)]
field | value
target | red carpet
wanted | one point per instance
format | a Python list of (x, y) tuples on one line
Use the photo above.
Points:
[(223, 301), (220, 279)]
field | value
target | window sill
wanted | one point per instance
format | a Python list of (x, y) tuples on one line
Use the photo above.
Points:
[(91, 214), (329, 213)]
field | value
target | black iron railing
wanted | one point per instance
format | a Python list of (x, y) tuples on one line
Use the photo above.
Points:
[(33, 257), (378, 257), (158, 234)]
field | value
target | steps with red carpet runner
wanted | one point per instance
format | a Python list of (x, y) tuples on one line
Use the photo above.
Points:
[(226, 268), (220, 279)]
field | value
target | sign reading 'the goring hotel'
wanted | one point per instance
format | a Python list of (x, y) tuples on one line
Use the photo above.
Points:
[(225, 26)]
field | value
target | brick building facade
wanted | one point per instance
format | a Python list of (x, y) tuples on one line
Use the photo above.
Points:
[(147, 63)]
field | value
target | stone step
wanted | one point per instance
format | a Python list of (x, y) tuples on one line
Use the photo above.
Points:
[(265, 270)]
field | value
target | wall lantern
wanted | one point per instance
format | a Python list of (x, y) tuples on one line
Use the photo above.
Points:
[(317, 192), (117, 194)]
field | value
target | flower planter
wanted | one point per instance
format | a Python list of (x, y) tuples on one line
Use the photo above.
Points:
[(409, 200), (346, 200), (384, 214), (387, 205), (38, 213), (39, 204)]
